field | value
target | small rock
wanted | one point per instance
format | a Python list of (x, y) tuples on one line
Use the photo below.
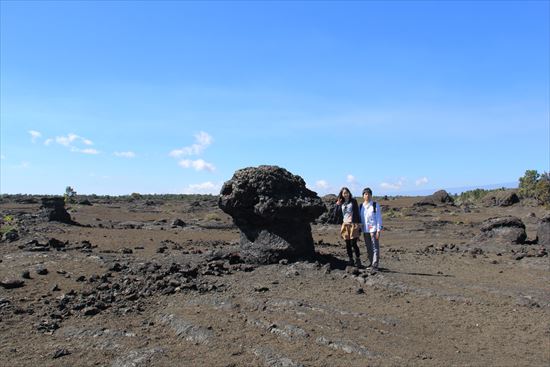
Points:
[(326, 268), (178, 223), (55, 288), (359, 291), (11, 283), (26, 274), (41, 270), (10, 236), (116, 267), (90, 311), (60, 353)]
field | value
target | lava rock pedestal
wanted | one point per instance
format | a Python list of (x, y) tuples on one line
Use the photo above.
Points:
[(273, 210), (53, 209)]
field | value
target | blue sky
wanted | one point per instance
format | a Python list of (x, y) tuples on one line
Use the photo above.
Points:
[(173, 97)]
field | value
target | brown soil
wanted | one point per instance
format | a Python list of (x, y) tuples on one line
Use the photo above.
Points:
[(181, 297)]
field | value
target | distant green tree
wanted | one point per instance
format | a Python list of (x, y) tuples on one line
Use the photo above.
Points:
[(528, 183), (542, 190), (70, 195), (536, 186), (135, 196)]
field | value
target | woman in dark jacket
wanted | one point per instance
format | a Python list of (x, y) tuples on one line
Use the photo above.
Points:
[(346, 213)]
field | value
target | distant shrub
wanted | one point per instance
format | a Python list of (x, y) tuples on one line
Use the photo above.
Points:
[(8, 223), (392, 213), (212, 217), (472, 196)]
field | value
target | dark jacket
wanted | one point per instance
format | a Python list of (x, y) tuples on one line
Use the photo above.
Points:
[(337, 217)]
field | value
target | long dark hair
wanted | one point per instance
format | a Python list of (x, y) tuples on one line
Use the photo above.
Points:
[(341, 197)]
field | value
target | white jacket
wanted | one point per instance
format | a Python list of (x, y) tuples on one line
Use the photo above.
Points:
[(370, 221)]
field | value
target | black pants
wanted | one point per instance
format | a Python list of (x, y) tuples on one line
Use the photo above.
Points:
[(352, 244)]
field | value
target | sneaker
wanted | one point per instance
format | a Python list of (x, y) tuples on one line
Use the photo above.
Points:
[(358, 263)]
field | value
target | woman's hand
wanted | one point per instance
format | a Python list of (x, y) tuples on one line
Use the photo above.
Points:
[(377, 235), (339, 202)]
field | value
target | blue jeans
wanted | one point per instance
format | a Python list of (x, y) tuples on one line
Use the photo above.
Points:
[(373, 248)]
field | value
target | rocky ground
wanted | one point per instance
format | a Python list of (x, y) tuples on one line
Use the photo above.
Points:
[(161, 283)]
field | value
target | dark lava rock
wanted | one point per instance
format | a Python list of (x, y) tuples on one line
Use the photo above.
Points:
[(440, 197), (178, 223), (501, 198), (10, 236), (56, 244), (273, 210), (85, 202), (543, 232), (329, 201), (47, 326), (10, 283), (40, 270), (26, 274), (117, 267), (90, 311), (510, 229), (53, 209), (61, 353), (34, 246)]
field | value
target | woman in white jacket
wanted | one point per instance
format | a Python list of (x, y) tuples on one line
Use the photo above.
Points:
[(371, 223)]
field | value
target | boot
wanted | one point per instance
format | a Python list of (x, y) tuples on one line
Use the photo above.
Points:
[(358, 263)]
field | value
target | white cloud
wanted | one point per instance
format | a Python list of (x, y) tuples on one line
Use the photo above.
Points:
[(88, 151), (198, 165), (66, 140), (393, 185), (422, 181), (352, 183), (387, 185), (202, 141), (125, 154), (203, 188), (322, 185), (72, 141), (35, 135), (84, 151)]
